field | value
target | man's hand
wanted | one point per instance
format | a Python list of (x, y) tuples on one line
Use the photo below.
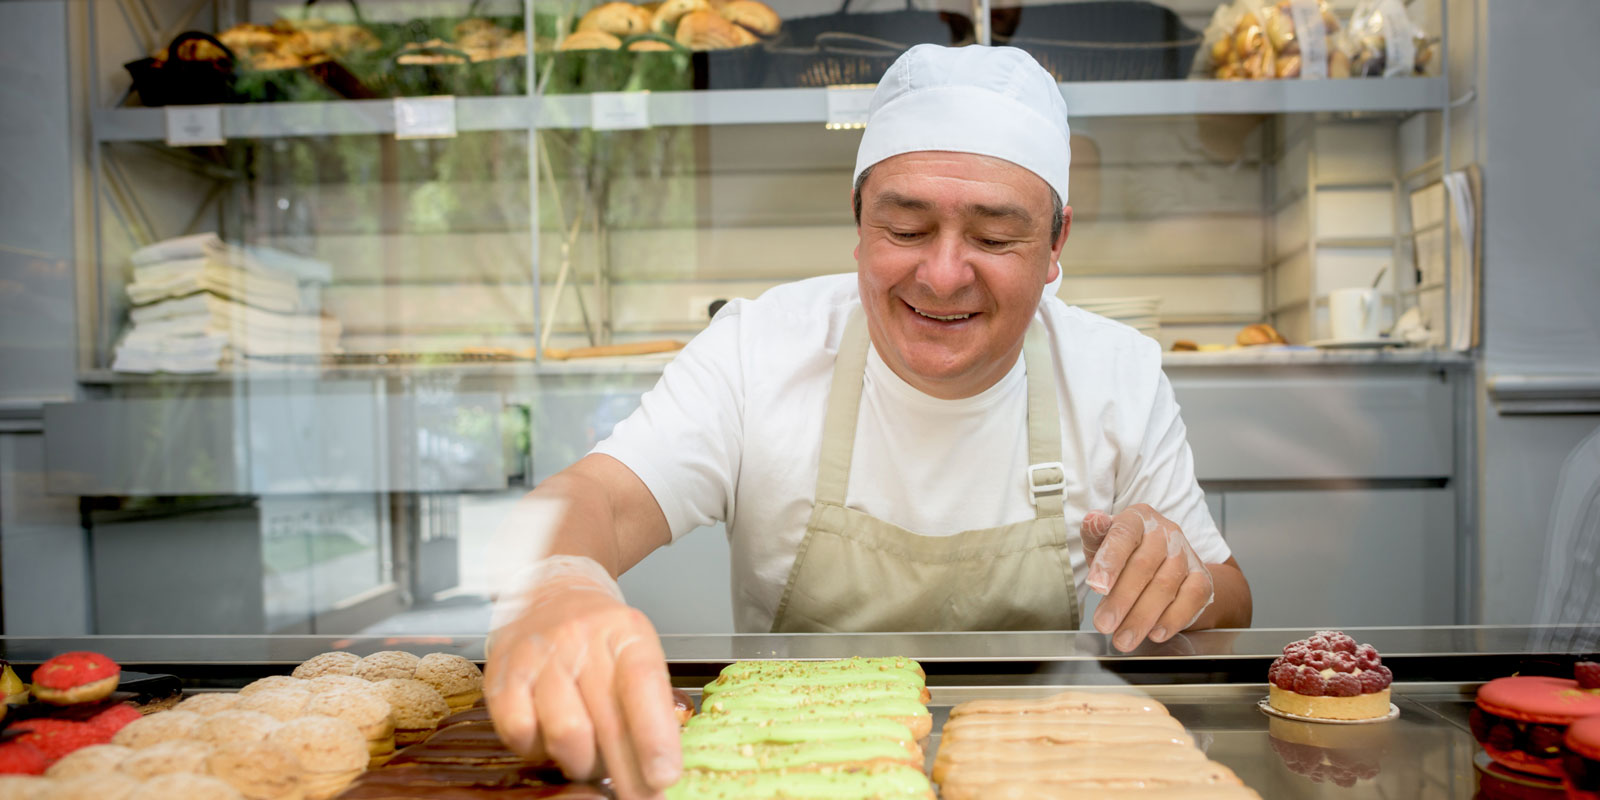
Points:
[(577, 675), (1153, 582)]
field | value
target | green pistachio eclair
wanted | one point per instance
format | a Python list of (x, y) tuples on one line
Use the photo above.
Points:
[(887, 783), (893, 709), (805, 755), (889, 678), (743, 671), (758, 696), (705, 731)]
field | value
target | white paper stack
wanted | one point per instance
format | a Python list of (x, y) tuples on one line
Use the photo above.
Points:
[(201, 304), (1141, 313)]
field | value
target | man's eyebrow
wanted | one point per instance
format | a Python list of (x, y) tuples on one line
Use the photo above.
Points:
[(1007, 211), (897, 200)]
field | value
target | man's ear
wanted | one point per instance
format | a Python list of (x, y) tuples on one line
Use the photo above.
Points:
[(1066, 228)]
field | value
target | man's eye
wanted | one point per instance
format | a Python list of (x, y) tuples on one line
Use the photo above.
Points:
[(993, 242), (905, 236)]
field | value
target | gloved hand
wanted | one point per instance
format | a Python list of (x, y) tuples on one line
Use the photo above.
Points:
[(577, 675), (1153, 582)]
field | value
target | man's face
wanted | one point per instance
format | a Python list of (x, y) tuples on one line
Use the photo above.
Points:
[(954, 253)]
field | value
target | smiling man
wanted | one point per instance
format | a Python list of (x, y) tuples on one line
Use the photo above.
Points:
[(933, 443)]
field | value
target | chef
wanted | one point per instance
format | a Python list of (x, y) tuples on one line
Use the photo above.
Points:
[(935, 442)]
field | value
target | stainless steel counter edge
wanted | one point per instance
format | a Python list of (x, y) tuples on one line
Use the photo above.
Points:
[(934, 649)]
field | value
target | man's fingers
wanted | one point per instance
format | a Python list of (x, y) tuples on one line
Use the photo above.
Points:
[(1121, 540), (1193, 597), (1152, 603), (508, 688), (598, 686), (1136, 572), (646, 696), (564, 725), (1093, 531)]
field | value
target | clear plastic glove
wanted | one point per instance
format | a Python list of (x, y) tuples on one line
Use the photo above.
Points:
[(1153, 582), (577, 675)]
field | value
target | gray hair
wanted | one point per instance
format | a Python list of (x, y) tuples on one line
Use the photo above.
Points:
[(1057, 219)]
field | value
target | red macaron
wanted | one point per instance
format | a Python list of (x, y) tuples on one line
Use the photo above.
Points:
[(1582, 759), (1520, 721), (55, 738), (21, 758), (77, 677)]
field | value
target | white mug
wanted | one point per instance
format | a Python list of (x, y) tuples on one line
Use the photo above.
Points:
[(1353, 314)]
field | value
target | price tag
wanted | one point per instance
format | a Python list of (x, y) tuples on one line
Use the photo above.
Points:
[(190, 126), (424, 117), (619, 111), (847, 106)]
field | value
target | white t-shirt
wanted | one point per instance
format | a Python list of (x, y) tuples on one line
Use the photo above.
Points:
[(733, 430)]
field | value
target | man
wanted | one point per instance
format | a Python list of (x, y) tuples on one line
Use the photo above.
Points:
[(925, 445)]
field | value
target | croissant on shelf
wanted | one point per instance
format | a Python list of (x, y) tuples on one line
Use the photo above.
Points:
[(476, 40), (283, 45), (695, 24)]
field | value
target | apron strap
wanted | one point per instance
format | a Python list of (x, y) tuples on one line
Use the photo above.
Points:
[(1047, 476), (844, 407)]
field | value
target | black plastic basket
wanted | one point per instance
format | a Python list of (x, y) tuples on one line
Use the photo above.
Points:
[(177, 82), (733, 68), (1103, 40), (842, 47)]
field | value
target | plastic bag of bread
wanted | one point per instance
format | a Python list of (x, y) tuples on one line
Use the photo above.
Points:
[(1303, 34), (1383, 41), (1236, 43), (1216, 48), (1263, 39)]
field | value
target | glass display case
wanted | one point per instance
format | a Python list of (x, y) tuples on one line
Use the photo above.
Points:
[(1211, 682), (354, 275)]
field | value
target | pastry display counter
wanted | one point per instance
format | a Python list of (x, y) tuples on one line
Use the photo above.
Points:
[(1209, 681)]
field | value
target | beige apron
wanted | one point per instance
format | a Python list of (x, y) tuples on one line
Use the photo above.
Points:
[(857, 573)]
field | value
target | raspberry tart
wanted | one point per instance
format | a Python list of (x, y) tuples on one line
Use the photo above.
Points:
[(1329, 676)]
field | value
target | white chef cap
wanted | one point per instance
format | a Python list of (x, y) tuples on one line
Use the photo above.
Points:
[(992, 101)]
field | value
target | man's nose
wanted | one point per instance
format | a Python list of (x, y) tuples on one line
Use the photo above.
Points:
[(947, 270)]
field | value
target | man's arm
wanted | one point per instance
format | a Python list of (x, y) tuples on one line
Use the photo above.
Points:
[(1233, 606), (574, 673), (602, 497)]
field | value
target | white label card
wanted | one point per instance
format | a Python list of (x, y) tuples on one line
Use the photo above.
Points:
[(191, 126), (619, 111), (424, 117), (847, 106)]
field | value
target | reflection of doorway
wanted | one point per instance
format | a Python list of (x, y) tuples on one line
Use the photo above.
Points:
[(435, 542), (1569, 588), (327, 563)]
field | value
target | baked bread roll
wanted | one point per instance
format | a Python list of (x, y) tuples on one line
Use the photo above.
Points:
[(753, 15), (1259, 334), (649, 46), (591, 40), (707, 30), (616, 18), (248, 37), (671, 11)]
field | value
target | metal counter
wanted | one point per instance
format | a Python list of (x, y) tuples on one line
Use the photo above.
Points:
[(1210, 681)]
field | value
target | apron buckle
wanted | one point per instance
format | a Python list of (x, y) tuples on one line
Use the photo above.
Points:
[(1041, 481)]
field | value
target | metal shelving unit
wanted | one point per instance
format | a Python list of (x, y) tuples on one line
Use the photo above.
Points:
[(758, 106)]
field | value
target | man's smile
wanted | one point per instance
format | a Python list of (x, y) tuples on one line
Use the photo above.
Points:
[(943, 316)]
